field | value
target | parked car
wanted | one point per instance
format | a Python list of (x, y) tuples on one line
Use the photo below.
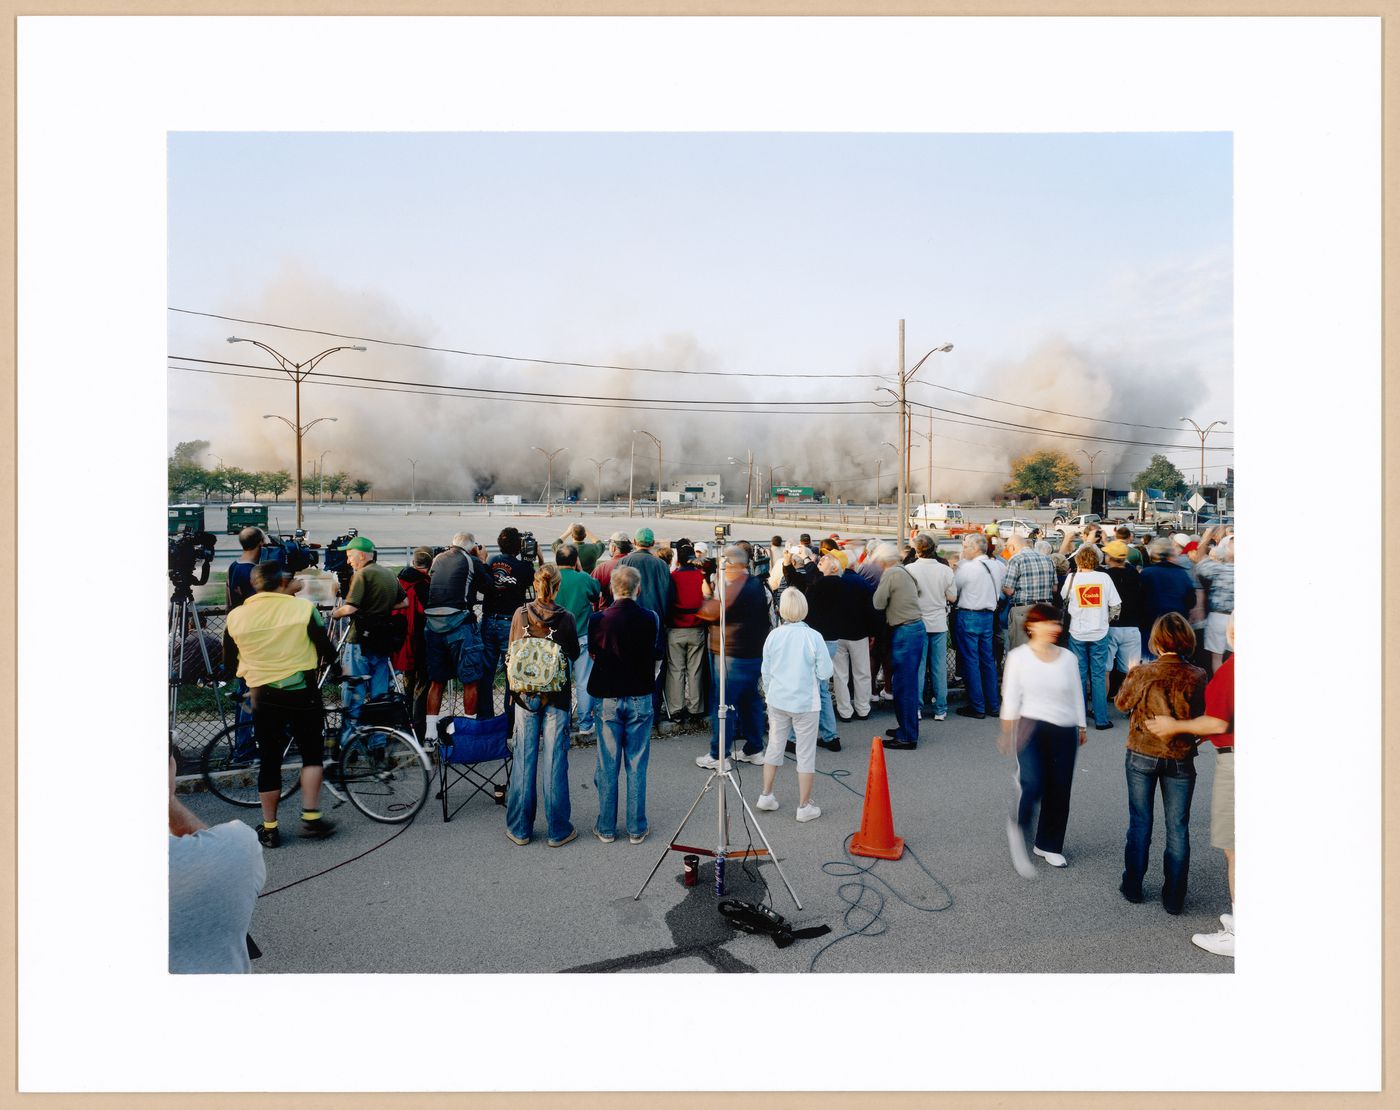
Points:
[(1071, 527), (1064, 504), (1014, 526)]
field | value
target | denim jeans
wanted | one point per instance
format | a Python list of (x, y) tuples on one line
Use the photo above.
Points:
[(624, 737), (827, 729), (1093, 674), (585, 705), (353, 661), (541, 737), (495, 639), (906, 655), (933, 672), (979, 667), (741, 691), (1177, 779)]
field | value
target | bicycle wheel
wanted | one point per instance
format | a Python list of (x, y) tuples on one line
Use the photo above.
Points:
[(384, 773), (234, 778)]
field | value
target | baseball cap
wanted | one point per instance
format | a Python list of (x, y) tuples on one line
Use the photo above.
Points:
[(360, 543), (1117, 549), (701, 548), (1181, 539), (1190, 547), (645, 536), (619, 537)]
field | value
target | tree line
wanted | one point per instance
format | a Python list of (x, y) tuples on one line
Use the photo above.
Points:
[(1045, 474), (187, 477)]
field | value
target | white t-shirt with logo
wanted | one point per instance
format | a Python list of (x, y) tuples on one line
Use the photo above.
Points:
[(1088, 595)]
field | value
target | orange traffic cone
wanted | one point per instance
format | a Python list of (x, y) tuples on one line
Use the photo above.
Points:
[(876, 836)]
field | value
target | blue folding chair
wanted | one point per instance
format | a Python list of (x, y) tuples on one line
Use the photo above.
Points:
[(465, 753)]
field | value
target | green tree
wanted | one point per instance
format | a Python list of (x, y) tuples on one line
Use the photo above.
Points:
[(276, 482), (1161, 474), (1042, 474), (183, 478), (361, 486), (190, 452), (336, 482)]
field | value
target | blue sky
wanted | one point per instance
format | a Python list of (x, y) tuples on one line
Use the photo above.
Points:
[(779, 253)]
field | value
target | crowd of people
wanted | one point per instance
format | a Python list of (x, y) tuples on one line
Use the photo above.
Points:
[(1040, 637)]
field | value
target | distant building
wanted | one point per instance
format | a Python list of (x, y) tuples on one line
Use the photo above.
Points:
[(701, 488)]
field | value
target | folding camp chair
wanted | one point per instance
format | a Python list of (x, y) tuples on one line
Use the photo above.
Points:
[(464, 752)]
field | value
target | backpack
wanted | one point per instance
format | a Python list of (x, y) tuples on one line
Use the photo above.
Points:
[(536, 664)]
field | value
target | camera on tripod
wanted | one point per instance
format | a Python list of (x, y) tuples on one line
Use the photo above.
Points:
[(185, 549), (529, 546), (721, 532), (335, 560)]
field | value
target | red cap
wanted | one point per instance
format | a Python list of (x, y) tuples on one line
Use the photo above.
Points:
[(1190, 547)]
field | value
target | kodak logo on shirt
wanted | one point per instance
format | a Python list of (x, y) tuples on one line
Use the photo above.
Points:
[(1089, 596)]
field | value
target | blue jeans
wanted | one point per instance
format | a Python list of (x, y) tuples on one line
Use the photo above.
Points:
[(495, 638), (1093, 674), (979, 668), (1177, 779), (584, 702), (740, 691), (934, 670), (624, 737), (906, 655), (353, 661), (541, 737), (826, 729)]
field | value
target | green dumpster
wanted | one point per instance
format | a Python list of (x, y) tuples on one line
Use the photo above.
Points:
[(243, 513), (192, 515)]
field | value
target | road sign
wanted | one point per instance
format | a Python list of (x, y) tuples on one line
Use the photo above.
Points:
[(1197, 502)]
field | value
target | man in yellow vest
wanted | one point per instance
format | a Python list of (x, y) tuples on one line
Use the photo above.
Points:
[(279, 641)]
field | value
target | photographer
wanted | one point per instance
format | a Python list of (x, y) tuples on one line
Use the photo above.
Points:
[(510, 577), (240, 572), (588, 546), (375, 593), (279, 641), (456, 584)]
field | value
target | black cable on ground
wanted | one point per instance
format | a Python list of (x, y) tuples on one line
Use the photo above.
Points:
[(336, 866)]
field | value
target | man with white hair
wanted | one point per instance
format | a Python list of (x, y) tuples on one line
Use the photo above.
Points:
[(979, 582), (1216, 575), (898, 595), (457, 583), (745, 630)]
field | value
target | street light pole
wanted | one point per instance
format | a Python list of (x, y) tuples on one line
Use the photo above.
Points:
[(771, 471), (549, 475), (599, 486), (299, 430), (1091, 459), (631, 479), (659, 464), (321, 471), (1202, 432), (298, 372), (413, 484), (905, 436)]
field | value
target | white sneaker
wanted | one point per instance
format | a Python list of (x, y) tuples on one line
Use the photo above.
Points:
[(809, 812), (883, 695), (1020, 859), (1054, 859), (1228, 920), (709, 762), (767, 801), (940, 716), (1221, 943), (744, 757)]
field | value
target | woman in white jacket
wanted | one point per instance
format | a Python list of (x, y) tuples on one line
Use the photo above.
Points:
[(795, 664), (1043, 722)]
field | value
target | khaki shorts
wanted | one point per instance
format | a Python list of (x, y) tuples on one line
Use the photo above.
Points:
[(1222, 802)]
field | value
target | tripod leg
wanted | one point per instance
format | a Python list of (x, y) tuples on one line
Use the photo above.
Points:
[(771, 854), (674, 836), (208, 663)]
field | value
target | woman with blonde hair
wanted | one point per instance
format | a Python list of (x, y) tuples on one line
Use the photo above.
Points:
[(795, 664), (542, 721)]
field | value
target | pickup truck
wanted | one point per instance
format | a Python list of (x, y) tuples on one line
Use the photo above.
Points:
[(1072, 526)]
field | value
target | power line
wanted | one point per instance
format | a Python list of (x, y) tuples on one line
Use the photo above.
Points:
[(1052, 412), (522, 358)]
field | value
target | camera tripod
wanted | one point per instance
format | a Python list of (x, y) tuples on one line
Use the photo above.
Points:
[(722, 772), (184, 617)]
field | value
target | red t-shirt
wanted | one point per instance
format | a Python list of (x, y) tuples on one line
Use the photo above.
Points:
[(1220, 701)]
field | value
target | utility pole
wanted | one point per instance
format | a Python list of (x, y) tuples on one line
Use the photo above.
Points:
[(748, 489), (660, 468), (631, 474), (929, 495), (902, 489), (413, 484), (1091, 459)]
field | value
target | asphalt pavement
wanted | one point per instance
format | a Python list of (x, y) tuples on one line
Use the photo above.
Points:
[(460, 897)]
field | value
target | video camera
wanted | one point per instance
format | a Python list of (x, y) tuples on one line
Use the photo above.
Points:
[(529, 546), (335, 560), (290, 551), (185, 549)]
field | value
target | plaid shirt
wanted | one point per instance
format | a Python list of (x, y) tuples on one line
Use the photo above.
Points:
[(1031, 576)]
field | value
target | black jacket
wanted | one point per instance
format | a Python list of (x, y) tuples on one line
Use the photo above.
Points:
[(622, 640)]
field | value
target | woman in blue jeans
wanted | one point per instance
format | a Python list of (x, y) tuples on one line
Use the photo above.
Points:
[(542, 722), (1168, 686)]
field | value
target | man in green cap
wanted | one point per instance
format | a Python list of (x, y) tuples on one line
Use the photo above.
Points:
[(654, 593), (375, 593)]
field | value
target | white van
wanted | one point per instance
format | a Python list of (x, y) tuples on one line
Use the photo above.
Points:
[(939, 515)]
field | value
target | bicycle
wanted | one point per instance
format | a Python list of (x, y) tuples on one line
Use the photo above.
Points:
[(381, 769)]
